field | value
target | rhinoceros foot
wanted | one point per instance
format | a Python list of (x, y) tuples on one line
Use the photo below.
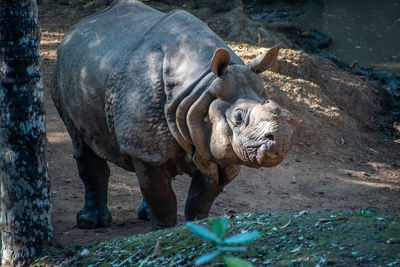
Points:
[(90, 218), (144, 212)]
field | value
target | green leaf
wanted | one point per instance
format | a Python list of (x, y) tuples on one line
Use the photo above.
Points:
[(219, 226), (236, 262), (242, 238), (366, 212), (203, 232), (225, 248), (206, 257), (141, 264)]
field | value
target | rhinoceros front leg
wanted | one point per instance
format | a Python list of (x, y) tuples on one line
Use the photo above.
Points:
[(202, 193), (94, 173), (155, 185)]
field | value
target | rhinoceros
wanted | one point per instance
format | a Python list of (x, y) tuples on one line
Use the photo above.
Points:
[(160, 94)]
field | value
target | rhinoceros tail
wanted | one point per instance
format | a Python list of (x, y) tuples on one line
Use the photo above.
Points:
[(56, 92)]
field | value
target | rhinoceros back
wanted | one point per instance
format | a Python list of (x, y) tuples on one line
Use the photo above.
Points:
[(104, 38), (86, 57)]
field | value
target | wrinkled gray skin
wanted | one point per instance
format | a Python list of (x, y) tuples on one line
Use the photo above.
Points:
[(161, 94)]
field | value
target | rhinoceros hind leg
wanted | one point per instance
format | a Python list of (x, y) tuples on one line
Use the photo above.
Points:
[(94, 173), (155, 185), (202, 193), (144, 211), (93, 170)]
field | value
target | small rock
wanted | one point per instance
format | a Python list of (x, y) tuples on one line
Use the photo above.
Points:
[(84, 252)]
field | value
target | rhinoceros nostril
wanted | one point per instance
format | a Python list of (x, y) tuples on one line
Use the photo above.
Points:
[(277, 111), (269, 137)]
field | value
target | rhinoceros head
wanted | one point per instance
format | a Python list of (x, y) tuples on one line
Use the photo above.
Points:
[(260, 133), (232, 123)]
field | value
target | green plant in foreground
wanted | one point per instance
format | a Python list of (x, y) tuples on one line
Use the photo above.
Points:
[(215, 236)]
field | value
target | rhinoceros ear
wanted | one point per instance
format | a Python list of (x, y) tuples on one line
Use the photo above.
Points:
[(264, 61), (220, 61)]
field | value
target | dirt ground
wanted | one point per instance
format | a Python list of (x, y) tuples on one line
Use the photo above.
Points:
[(341, 159)]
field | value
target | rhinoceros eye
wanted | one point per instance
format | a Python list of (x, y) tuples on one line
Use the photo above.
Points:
[(238, 117)]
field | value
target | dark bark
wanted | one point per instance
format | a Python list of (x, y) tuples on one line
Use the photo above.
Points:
[(25, 194)]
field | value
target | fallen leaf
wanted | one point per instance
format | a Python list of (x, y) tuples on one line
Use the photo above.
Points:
[(321, 262), (157, 250), (328, 220), (286, 225), (301, 259), (325, 220), (373, 150), (301, 213), (296, 249)]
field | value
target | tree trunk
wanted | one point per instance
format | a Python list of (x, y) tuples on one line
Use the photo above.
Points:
[(25, 185)]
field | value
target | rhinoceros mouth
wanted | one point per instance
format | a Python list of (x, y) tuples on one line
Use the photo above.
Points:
[(268, 151), (253, 157), (271, 162)]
